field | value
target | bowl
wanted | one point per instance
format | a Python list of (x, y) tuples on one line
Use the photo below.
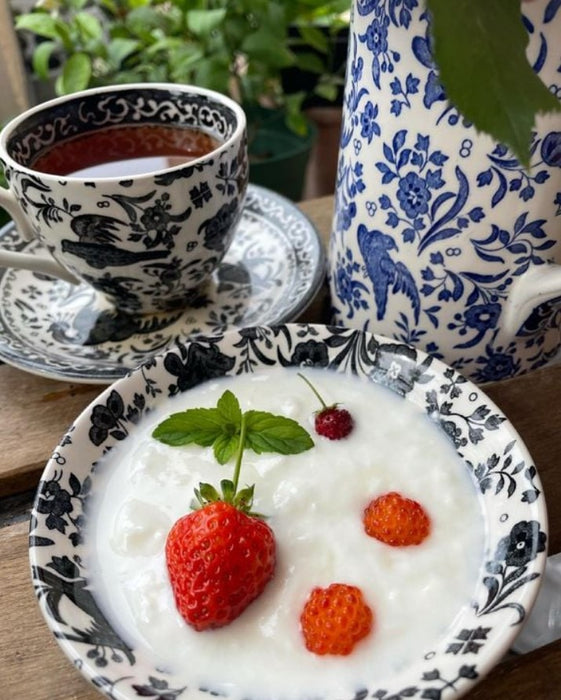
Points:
[(509, 494)]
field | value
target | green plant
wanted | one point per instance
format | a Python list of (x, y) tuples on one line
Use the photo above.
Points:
[(241, 47), (238, 47)]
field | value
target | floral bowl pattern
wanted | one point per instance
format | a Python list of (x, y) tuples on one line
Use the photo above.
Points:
[(494, 455)]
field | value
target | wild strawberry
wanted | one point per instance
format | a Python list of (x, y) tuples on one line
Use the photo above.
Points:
[(331, 422), (396, 520), (334, 619), (219, 560)]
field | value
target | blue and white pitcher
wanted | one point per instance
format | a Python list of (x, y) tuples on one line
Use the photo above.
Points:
[(440, 237)]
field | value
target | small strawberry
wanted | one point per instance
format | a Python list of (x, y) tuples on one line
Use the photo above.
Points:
[(331, 422), (396, 520), (221, 556), (219, 560), (334, 619)]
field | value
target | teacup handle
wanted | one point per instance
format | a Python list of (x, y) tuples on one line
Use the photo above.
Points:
[(540, 284), (37, 263)]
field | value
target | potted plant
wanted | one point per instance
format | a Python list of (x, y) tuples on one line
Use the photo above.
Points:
[(240, 48)]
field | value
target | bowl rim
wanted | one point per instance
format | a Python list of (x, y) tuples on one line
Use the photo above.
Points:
[(464, 655)]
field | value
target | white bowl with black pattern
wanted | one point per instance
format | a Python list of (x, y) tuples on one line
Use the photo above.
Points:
[(494, 455)]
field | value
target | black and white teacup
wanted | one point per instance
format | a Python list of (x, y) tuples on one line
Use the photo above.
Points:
[(133, 189)]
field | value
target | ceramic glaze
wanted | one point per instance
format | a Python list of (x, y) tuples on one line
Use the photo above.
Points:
[(270, 274), (505, 478), (440, 237), (143, 241), (314, 503)]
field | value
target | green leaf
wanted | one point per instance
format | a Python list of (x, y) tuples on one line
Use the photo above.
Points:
[(89, 25), (225, 447), (311, 62), (213, 73), (199, 425), (41, 58), (228, 490), (328, 91), (76, 74), (244, 499), (314, 37), (39, 23), (203, 22), (269, 48), (269, 433), (230, 432), (119, 49), (295, 118), (206, 493), (479, 47), (229, 408), (182, 60)]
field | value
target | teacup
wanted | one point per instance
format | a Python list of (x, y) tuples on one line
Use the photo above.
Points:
[(133, 189)]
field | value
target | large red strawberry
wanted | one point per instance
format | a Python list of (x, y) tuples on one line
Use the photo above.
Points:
[(221, 556), (219, 560), (396, 520), (332, 422), (335, 619)]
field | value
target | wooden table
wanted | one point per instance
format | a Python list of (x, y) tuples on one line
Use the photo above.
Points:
[(34, 413)]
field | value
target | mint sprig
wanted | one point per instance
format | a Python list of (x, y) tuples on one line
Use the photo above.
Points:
[(230, 431)]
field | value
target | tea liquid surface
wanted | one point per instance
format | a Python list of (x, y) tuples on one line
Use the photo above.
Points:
[(125, 151)]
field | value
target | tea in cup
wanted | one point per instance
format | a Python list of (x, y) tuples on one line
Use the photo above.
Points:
[(134, 189)]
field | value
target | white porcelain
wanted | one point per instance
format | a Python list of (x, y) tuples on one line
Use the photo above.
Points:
[(440, 237), (495, 458), (144, 241)]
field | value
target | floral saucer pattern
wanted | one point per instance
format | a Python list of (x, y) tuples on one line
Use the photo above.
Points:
[(270, 274)]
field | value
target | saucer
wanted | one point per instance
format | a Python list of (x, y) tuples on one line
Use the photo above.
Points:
[(272, 271)]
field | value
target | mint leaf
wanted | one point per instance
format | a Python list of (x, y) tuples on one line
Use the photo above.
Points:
[(199, 425), (479, 47), (225, 447), (269, 433), (230, 431), (229, 408), (218, 426)]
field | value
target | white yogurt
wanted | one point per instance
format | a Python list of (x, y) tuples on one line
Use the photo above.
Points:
[(314, 502)]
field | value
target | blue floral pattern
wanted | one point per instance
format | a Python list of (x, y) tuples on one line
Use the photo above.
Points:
[(433, 224)]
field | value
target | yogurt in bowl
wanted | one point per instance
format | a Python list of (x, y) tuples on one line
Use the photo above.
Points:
[(445, 611)]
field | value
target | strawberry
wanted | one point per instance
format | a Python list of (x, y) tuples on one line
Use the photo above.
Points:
[(221, 556), (396, 520), (219, 560), (331, 422), (334, 619)]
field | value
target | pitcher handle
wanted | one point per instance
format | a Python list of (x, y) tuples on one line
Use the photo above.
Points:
[(540, 284), (36, 263)]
